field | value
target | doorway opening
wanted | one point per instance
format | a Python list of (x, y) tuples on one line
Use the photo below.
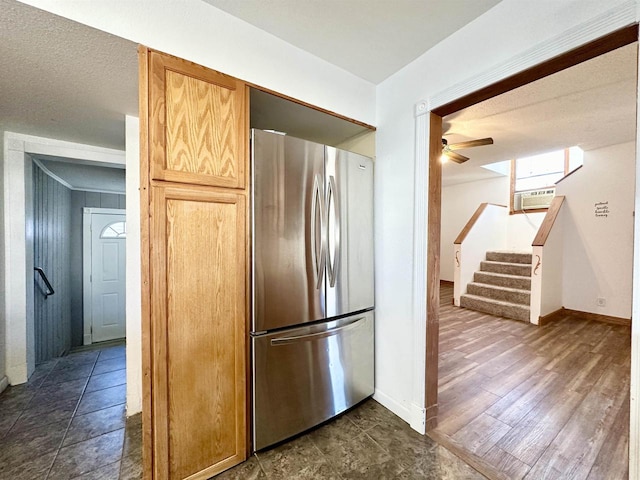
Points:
[(614, 41), (71, 258)]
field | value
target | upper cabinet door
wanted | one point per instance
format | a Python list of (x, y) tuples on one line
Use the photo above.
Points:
[(198, 124)]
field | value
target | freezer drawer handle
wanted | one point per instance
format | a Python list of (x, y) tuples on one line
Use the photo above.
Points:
[(315, 336)]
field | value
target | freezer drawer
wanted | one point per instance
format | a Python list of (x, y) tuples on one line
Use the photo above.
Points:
[(304, 376)]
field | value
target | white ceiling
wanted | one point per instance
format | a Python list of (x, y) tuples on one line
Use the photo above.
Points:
[(370, 38), (64, 80), (82, 176), (591, 105)]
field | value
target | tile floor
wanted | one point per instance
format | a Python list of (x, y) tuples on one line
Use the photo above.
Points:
[(368, 442), (69, 421)]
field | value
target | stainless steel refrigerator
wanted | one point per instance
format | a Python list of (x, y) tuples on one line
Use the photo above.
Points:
[(312, 273)]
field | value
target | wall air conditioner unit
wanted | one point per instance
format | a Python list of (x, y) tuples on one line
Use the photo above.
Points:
[(537, 198)]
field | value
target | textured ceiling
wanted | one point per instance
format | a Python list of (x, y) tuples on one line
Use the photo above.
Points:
[(591, 105), (370, 38), (64, 80)]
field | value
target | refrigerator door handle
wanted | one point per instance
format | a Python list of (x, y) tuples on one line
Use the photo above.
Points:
[(333, 225), (315, 336), (317, 258)]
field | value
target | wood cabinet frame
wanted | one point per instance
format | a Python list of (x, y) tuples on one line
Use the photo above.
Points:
[(193, 187)]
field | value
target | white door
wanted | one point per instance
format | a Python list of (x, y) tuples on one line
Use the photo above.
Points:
[(107, 277)]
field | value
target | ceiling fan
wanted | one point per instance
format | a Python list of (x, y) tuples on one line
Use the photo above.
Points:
[(448, 150)]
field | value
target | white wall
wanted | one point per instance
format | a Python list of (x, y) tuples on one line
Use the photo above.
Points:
[(522, 229), (134, 277), (598, 252), (547, 272), (3, 347), (461, 200), (512, 29), (196, 31), (487, 234)]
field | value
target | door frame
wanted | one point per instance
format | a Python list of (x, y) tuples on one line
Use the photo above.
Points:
[(610, 33), (18, 240), (87, 311)]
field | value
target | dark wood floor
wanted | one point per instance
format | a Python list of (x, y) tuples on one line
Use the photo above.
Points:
[(521, 401)]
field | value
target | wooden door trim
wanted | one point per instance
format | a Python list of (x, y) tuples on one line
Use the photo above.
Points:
[(602, 45), (433, 270), (595, 48)]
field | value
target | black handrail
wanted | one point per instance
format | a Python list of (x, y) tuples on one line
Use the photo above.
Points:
[(46, 281)]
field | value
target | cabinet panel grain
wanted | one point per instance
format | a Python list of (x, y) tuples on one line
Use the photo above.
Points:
[(198, 121), (198, 313)]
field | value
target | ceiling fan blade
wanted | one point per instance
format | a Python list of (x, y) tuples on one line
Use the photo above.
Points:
[(471, 143), (455, 157)]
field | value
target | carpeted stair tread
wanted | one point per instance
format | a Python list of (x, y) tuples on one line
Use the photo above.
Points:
[(495, 292), (495, 307), (521, 269), (509, 257), (503, 280)]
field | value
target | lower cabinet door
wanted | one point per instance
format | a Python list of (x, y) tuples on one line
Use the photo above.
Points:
[(198, 329)]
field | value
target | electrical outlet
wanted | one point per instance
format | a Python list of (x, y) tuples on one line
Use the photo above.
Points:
[(601, 302)]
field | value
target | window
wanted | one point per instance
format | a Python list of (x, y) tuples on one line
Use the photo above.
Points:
[(529, 175), (114, 230)]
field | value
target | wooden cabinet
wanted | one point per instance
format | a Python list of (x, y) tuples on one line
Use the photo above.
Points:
[(194, 159), (198, 312), (198, 127)]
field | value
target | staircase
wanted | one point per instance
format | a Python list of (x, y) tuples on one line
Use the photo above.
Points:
[(502, 287)]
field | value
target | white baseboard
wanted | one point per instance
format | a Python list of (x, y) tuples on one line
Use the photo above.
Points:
[(418, 418), (134, 385), (4, 383), (390, 403), (415, 415)]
